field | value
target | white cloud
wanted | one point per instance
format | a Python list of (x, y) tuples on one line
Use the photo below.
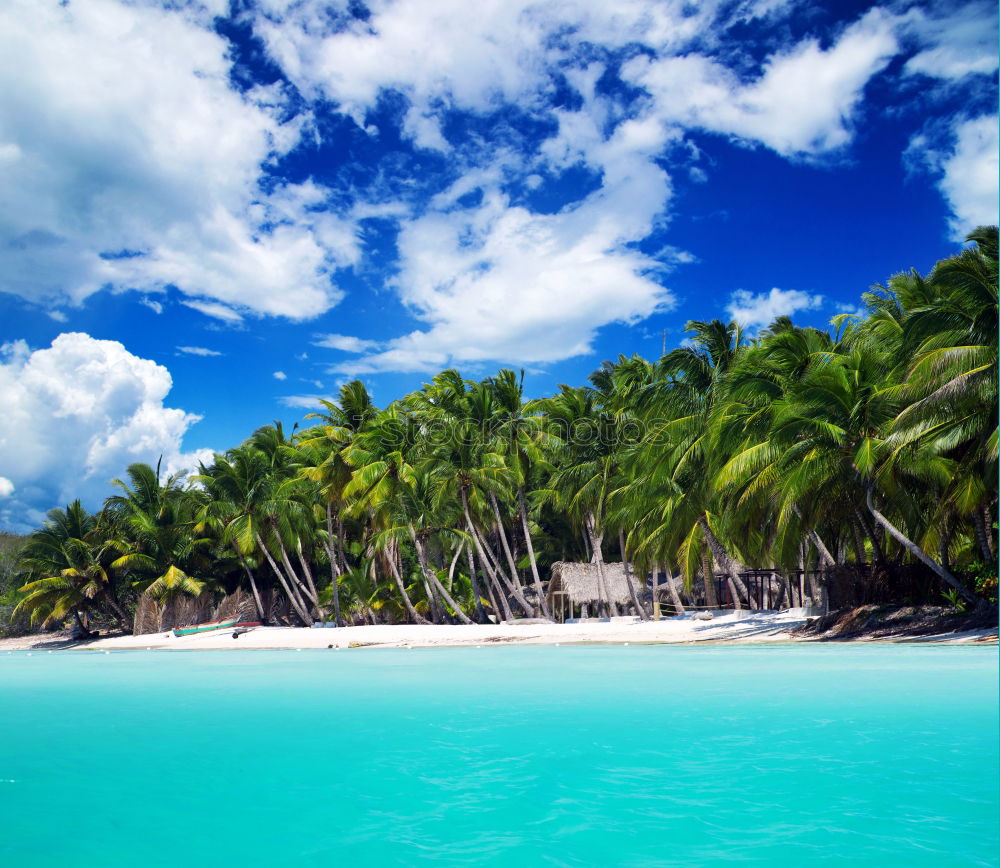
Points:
[(963, 154), (6, 487), (958, 43), (198, 351), (127, 160), (756, 310), (801, 104), (344, 343), (971, 172), (304, 402), (91, 408), (280, 375), (498, 282), (215, 310)]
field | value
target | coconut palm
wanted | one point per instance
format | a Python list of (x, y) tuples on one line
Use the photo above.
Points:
[(68, 556)]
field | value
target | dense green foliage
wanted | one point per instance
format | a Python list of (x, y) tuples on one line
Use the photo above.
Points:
[(876, 443)]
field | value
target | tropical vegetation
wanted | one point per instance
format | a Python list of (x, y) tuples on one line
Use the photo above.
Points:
[(872, 446)]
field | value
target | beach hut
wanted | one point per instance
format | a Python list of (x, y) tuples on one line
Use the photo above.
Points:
[(574, 589)]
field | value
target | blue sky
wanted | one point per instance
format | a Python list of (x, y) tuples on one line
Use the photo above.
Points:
[(215, 212)]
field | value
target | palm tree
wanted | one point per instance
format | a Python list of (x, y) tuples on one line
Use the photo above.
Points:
[(323, 450), (68, 557), (152, 531)]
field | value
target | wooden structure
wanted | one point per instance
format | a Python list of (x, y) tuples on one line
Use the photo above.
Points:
[(574, 590)]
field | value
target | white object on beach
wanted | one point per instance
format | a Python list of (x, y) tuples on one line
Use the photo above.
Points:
[(703, 616)]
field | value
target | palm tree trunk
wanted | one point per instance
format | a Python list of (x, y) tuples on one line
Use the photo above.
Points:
[(824, 552), (123, 619), (494, 585), (732, 566), (708, 577), (294, 581), (737, 602), (344, 565), (494, 573), (434, 580), (253, 583), (307, 572), (334, 566), (916, 551), (982, 538), (297, 604), (675, 598), (480, 614), (531, 553), (394, 569), (639, 608), (502, 533), (293, 577), (877, 554), (598, 558)]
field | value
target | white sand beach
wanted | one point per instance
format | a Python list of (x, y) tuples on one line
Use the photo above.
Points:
[(728, 627)]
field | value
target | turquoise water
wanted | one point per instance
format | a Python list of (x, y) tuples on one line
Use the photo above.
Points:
[(608, 756)]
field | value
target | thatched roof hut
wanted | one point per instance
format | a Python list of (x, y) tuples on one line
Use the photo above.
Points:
[(577, 584)]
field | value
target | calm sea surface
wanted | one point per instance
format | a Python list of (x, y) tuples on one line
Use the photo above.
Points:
[(632, 756)]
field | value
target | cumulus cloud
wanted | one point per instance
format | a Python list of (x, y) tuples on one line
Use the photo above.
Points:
[(801, 104), (198, 351), (495, 280), (91, 408), (971, 172), (963, 155), (280, 375), (127, 160), (756, 310)]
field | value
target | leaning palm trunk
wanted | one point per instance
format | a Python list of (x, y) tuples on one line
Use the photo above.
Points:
[(495, 571), (390, 556), (434, 580), (494, 574), (253, 583), (480, 614), (297, 604), (293, 579), (675, 598), (708, 579), (531, 553), (307, 572), (732, 566), (916, 551), (878, 555), (639, 608), (598, 558), (817, 541), (504, 542), (123, 619)]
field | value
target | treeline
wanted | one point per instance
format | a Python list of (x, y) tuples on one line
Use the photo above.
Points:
[(872, 444)]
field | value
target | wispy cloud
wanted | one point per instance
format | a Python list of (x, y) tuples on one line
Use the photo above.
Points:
[(344, 343), (215, 310), (198, 351), (305, 402)]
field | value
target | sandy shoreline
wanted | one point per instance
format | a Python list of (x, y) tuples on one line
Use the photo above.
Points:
[(728, 628)]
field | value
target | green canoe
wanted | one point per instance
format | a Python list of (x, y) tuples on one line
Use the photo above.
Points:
[(205, 628)]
